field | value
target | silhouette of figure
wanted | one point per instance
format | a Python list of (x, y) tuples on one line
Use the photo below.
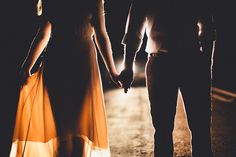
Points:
[(180, 39), (71, 72)]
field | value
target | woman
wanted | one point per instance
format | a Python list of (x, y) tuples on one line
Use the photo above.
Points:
[(72, 75)]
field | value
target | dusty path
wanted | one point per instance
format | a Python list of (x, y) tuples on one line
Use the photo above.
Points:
[(130, 127)]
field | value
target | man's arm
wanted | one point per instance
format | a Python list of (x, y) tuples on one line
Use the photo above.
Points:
[(127, 74), (132, 40)]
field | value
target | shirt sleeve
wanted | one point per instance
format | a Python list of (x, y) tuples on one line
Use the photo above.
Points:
[(135, 26)]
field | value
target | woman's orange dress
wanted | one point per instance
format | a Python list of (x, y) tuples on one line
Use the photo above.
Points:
[(74, 116)]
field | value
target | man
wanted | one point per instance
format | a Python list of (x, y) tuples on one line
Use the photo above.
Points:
[(180, 39)]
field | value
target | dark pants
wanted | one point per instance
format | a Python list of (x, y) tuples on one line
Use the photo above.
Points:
[(166, 74)]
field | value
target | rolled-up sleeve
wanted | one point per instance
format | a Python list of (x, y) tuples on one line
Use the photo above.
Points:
[(135, 26)]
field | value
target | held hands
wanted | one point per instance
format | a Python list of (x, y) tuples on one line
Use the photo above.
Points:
[(126, 78), (115, 78)]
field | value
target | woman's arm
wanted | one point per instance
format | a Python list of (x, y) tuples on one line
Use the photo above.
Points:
[(38, 44), (102, 40)]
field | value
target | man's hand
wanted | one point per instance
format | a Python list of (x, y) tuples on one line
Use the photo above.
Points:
[(126, 78)]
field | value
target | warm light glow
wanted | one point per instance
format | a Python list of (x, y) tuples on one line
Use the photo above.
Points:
[(120, 66)]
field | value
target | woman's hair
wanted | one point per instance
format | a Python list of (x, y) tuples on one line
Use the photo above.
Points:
[(58, 8)]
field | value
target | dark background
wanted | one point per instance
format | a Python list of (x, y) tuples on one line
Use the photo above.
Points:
[(18, 26), (224, 75)]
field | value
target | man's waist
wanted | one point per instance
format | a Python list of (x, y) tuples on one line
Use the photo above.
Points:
[(158, 53)]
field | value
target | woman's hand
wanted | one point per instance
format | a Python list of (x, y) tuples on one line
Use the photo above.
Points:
[(25, 73), (115, 78)]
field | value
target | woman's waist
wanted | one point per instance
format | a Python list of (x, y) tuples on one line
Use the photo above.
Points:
[(71, 46)]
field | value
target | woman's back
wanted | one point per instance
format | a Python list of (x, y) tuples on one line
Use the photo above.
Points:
[(72, 21), (72, 75), (71, 43)]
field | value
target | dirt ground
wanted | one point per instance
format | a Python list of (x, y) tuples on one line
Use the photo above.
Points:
[(131, 131), (130, 125)]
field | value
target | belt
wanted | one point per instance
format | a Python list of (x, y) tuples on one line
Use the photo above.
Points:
[(156, 54)]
